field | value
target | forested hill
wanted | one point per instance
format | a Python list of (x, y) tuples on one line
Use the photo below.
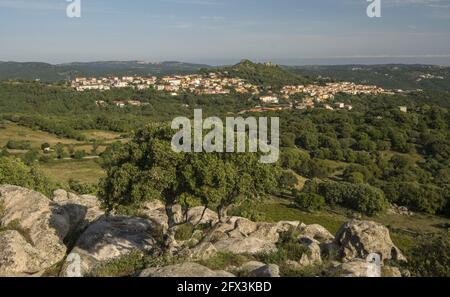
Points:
[(394, 76), (267, 75), (52, 73)]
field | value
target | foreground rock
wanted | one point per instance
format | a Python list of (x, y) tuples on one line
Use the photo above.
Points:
[(17, 256), (44, 225), (82, 210), (111, 238), (358, 268), (239, 236), (316, 232), (270, 270), (358, 239), (184, 270), (313, 256)]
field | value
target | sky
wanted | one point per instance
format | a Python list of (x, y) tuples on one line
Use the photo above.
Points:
[(226, 31)]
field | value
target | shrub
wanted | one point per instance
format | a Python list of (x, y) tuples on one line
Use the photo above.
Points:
[(78, 155), (221, 261), (82, 188), (14, 172), (360, 197), (431, 258), (288, 180), (309, 201), (288, 249), (184, 232), (419, 197), (123, 266), (18, 145)]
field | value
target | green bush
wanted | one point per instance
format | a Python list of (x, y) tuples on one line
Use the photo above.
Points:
[(431, 258), (121, 267), (309, 201), (18, 145), (419, 197), (82, 188), (184, 232), (360, 197), (78, 155), (14, 172)]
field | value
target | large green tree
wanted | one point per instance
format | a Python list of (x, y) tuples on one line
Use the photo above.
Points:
[(147, 168)]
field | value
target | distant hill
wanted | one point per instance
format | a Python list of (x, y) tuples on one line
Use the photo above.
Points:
[(392, 76), (51, 73), (265, 74)]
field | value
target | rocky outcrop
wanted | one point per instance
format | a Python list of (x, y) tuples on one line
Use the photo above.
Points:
[(82, 210), (250, 266), (316, 232), (156, 212), (184, 270), (37, 232), (400, 210), (250, 245), (358, 239), (199, 216), (358, 268), (270, 270), (313, 256), (17, 256), (44, 225), (240, 235), (203, 251), (113, 237)]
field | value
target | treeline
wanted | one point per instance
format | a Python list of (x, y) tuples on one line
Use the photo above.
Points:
[(406, 155)]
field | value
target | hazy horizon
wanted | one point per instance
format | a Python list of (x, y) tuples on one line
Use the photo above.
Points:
[(218, 32), (332, 61)]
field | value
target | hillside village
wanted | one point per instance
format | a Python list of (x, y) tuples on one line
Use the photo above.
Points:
[(219, 84)]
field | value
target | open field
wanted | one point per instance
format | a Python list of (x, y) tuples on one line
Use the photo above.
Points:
[(36, 138), (15, 132), (103, 136), (87, 171)]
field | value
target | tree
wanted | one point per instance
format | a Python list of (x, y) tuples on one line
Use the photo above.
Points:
[(78, 155), (60, 152), (360, 197), (31, 156), (309, 201), (288, 181), (95, 146), (147, 168), (431, 257)]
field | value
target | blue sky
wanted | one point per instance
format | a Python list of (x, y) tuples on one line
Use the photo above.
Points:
[(224, 31)]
